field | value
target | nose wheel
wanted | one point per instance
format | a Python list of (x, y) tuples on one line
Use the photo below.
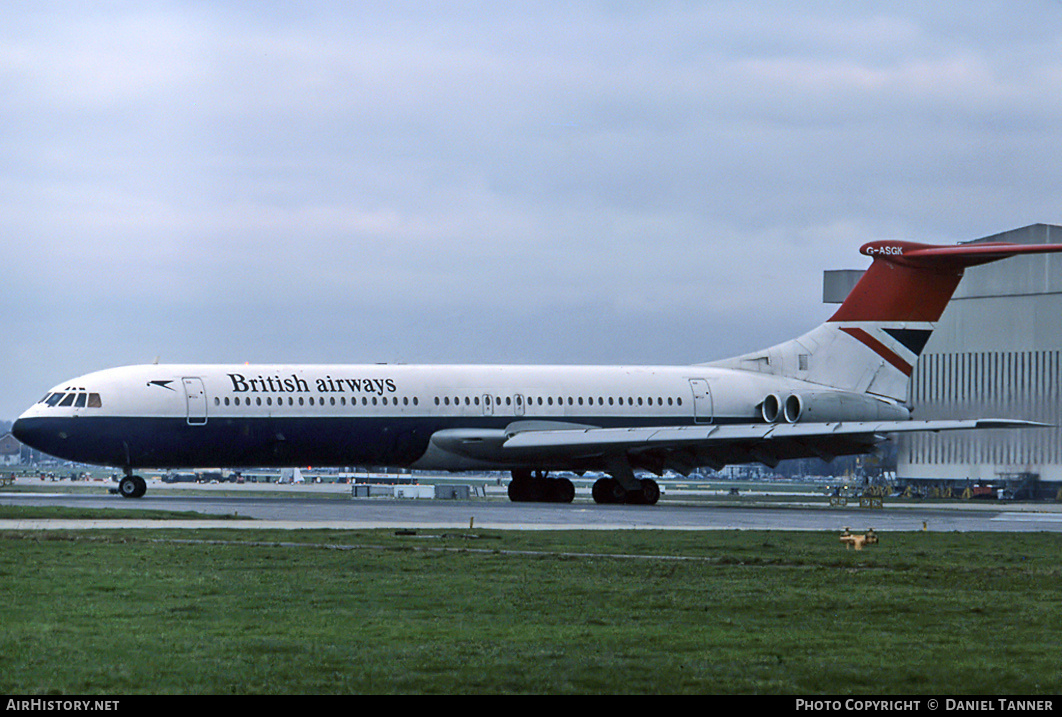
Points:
[(132, 487)]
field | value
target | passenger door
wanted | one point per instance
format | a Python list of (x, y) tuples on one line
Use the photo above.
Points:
[(702, 400), (195, 401)]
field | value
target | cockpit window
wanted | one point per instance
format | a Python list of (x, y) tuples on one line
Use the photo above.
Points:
[(78, 399)]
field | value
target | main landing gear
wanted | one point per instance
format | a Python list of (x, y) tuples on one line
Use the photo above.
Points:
[(537, 488), (528, 487), (610, 490), (132, 486)]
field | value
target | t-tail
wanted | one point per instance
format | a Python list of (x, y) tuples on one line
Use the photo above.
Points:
[(873, 341)]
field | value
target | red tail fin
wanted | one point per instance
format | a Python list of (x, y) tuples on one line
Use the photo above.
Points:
[(914, 282)]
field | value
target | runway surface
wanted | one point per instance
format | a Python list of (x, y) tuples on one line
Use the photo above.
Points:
[(321, 506)]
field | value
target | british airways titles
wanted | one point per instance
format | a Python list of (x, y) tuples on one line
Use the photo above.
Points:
[(297, 384)]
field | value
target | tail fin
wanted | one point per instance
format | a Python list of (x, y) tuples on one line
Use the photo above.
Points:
[(872, 342)]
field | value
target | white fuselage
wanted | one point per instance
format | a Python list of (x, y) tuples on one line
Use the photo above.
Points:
[(383, 414)]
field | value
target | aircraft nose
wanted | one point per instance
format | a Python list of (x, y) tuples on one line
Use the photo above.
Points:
[(21, 431), (28, 430)]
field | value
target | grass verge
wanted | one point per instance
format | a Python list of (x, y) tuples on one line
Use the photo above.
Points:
[(217, 612)]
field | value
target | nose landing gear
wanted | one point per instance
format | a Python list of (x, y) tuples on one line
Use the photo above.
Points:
[(132, 486)]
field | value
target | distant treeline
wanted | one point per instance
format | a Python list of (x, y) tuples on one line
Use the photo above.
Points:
[(5, 427)]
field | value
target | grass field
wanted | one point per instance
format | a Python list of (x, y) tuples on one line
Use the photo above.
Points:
[(217, 612)]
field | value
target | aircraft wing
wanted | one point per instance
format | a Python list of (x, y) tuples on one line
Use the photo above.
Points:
[(683, 448)]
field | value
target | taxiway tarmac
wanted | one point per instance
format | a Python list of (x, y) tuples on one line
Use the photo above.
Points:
[(320, 507)]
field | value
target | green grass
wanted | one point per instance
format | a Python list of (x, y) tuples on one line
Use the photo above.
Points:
[(121, 612)]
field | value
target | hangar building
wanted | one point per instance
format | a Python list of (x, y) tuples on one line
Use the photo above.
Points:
[(997, 352)]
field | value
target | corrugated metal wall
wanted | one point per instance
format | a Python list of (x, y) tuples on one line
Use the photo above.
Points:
[(997, 352)]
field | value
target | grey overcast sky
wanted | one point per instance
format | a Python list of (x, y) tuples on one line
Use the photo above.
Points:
[(482, 182)]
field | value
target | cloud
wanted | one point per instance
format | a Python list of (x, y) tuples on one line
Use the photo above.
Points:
[(469, 182)]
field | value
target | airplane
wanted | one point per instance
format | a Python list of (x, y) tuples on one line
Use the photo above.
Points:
[(839, 389)]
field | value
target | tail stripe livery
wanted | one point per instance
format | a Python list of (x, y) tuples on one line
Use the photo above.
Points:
[(905, 367), (914, 340)]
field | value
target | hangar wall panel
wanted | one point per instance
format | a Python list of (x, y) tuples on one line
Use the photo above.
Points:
[(997, 352)]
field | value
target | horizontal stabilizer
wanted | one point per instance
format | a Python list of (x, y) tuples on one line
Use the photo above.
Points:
[(950, 257)]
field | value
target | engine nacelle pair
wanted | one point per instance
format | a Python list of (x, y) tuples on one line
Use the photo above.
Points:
[(773, 408), (829, 407)]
